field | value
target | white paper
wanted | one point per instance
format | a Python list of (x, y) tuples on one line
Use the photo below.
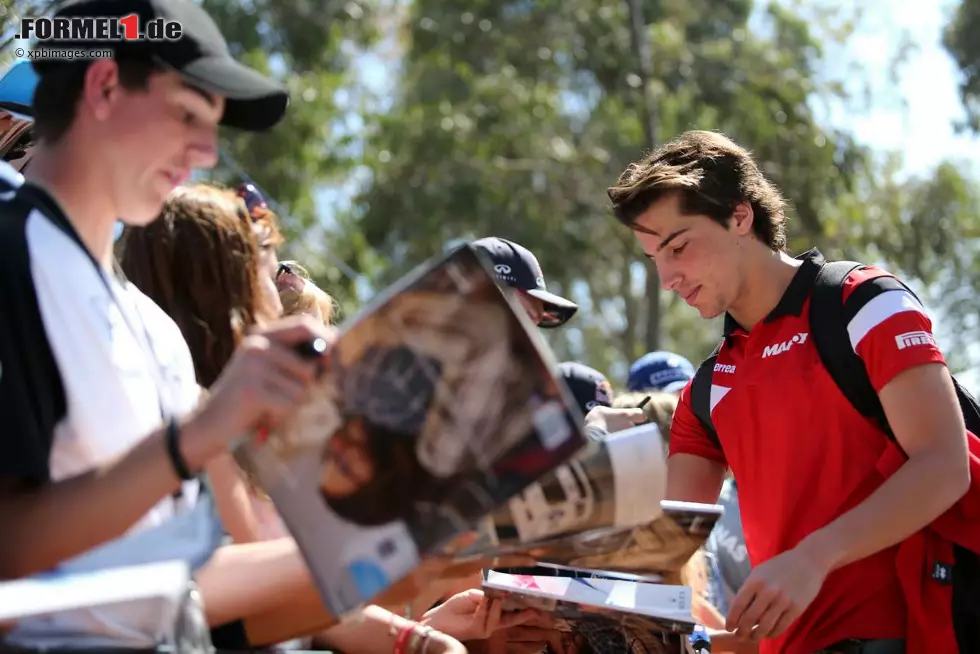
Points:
[(625, 576), (654, 600), (57, 593), (651, 599), (637, 457)]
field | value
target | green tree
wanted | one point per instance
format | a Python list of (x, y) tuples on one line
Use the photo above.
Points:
[(927, 228), (944, 210), (11, 11), (960, 41), (511, 118), (310, 47)]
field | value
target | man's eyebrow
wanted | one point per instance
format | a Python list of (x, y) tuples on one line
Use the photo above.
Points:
[(201, 92), (664, 243), (640, 228)]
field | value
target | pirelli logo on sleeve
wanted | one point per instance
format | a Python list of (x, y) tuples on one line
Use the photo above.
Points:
[(913, 339)]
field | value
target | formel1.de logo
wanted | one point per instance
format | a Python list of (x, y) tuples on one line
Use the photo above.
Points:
[(97, 29)]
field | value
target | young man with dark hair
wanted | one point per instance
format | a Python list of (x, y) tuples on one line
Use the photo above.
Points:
[(823, 525), (61, 86), (104, 433)]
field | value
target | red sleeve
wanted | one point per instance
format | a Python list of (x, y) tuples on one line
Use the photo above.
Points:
[(889, 328), (687, 436)]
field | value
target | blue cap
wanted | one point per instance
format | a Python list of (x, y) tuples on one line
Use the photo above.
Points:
[(17, 88), (16, 101), (660, 371)]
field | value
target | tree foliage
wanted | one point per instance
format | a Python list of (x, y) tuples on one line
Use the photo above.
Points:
[(511, 118), (960, 41), (11, 11), (310, 47)]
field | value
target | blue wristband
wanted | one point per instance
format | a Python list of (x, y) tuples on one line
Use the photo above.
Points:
[(699, 641)]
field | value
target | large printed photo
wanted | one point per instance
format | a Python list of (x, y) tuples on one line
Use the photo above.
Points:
[(615, 482), (436, 405)]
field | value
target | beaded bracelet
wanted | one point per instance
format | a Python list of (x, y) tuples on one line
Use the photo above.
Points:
[(420, 636), (403, 635)]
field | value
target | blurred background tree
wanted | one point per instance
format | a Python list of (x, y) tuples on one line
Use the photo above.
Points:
[(11, 11), (944, 210), (511, 118), (311, 47), (415, 124), (960, 40)]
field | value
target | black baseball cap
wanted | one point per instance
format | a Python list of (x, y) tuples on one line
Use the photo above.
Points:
[(589, 387), (515, 266), (201, 56)]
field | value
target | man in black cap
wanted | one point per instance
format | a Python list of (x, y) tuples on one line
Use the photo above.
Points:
[(149, 115), (103, 429), (517, 268)]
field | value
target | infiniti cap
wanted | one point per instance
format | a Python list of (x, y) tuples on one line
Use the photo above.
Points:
[(515, 266)]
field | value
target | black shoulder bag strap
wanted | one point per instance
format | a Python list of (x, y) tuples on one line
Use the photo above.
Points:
[(829, 318), (701, 395)]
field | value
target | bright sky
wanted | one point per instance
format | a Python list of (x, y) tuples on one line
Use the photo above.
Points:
[(922, 129), (915, 118)]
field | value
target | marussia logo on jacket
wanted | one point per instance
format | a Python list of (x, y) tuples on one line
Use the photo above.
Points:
[(779, 348)]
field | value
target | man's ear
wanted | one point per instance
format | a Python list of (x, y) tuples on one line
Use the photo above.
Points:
[(101, 88), (742, 219)]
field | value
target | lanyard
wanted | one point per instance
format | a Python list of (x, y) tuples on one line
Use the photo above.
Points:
[(40, 198)]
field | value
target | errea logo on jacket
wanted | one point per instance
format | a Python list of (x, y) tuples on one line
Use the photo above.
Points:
[(779, 348)]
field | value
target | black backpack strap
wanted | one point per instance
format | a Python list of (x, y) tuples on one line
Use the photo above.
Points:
[(701, 395), (970, 407), (829, 318)]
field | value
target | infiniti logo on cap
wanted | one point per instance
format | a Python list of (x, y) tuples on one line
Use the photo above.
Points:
[(502, 269)]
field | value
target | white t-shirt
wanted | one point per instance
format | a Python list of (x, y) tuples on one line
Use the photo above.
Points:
[(89, 366), (9, 175)]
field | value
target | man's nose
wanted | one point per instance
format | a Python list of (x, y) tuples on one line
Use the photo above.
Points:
[(204, 150), (670, 278)]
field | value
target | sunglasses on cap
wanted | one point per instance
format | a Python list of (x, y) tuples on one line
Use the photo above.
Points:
[(548, 317), (551, 318), (292, 268)]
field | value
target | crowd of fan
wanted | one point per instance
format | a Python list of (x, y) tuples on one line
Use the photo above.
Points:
[(131, 365), (188, 285)]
